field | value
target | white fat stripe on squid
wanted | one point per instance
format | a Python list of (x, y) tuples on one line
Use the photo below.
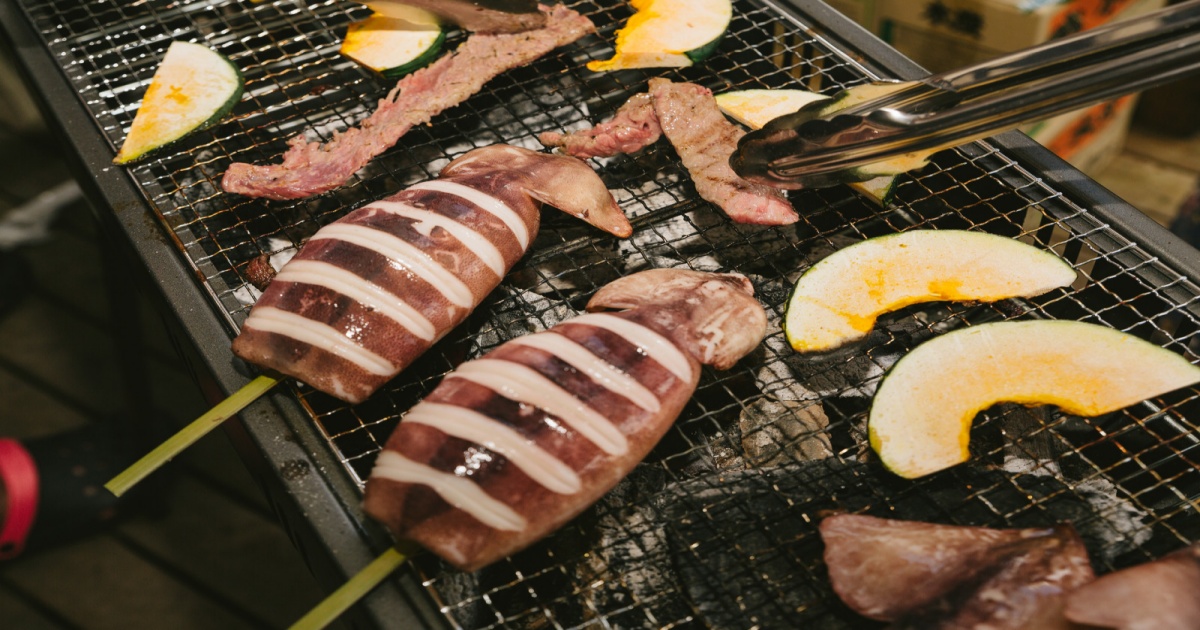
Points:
[(602, 372), (460, 492), (525, 385), (654, 345), (485, 202), (468, 424), (474, 241), (323, 336), (404, 253), (361, 290)]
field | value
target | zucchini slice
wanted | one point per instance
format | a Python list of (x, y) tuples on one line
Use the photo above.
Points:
[(193, 88), (396, 43), (668, 34), (837, 300), (755, 108), (921, 416)]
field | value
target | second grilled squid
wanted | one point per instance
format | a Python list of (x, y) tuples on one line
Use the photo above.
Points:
[(515, 443), (512, 445)]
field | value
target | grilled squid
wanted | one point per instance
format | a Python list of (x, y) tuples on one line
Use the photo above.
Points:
[(517, 442), (372, 291)]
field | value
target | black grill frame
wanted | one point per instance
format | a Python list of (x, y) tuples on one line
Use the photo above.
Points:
[(1140, 278)]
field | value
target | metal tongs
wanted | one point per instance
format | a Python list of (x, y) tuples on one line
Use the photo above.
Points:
[(813, 148)]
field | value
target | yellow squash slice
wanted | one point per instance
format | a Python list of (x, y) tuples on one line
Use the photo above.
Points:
[(193, 88), (838, 299), (921, 416), (396, 42), (668, 34)]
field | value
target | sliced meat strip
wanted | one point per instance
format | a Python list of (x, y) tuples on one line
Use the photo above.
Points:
[(705, 139), (688, 115), (311, 168), (633, 128)]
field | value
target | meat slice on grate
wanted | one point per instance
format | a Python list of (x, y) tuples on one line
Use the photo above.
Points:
[(514, 444), (1160, 595), (311, 168), (688, 115), (372, 291), (926, 575), (633, 128)]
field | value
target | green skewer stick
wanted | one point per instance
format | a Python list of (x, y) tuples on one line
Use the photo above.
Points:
[(353, 590), (188, 435)]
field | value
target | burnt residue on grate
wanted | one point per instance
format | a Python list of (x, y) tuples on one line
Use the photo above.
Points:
[(736, 488)]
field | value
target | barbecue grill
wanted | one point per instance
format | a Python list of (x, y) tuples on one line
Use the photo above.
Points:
[(718, 526)]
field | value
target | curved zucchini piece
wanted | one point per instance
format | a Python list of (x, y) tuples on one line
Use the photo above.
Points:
[(193, 88), (668, 34), (395, 44), (838, 299), (921, 416)]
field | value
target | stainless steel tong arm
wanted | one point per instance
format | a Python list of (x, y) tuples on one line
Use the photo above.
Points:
[(944, 110)]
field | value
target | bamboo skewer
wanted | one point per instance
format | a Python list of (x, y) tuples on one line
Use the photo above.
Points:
[(188, 435), (354, 589), (338, 601)]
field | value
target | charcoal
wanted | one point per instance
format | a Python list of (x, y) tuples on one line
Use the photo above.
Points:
[(778, 432)]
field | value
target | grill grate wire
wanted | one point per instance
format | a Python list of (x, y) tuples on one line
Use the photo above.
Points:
[(717, 527)]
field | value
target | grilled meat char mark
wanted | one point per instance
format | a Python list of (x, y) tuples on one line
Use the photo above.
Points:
[(370, 292), (311, 168), (688, 115), (514, 444)]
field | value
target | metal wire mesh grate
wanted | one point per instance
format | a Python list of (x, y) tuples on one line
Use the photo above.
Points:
[(717, 528)]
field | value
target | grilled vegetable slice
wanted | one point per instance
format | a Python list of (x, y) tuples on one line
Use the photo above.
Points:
[(192, 88), (838, 299), (395, 44), (755, 108), (668, 34), (920, 420)]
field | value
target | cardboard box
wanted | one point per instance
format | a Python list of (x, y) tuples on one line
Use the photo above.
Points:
[(1088, 138), (942, 35)]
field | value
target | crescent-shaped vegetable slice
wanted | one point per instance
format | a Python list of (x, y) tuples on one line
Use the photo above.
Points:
[(668, 34), (193, 88), (395, 44), (921, 416), (838, 300)]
